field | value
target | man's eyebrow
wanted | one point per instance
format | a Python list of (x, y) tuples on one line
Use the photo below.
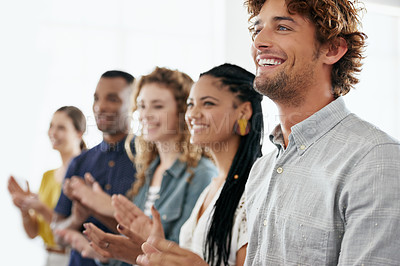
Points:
[(280, 18)]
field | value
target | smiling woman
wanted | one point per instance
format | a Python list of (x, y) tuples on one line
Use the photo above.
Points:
[(65, 133), (171, 172)]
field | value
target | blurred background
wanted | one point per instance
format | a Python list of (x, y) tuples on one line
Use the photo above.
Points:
[(52, 53)]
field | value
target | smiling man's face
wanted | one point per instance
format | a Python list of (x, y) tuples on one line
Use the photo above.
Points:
[(285, 51)]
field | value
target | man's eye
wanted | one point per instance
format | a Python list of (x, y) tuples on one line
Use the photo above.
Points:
[(208, 103), (282, 28), (189, 105), (254, 33)]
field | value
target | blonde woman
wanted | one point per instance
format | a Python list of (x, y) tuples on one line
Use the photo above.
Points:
[(65, 132)]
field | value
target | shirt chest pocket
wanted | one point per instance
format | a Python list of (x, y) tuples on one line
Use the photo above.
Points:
[(305, 243)]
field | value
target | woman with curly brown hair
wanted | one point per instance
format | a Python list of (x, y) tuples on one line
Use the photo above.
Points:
[(171, 172), (224, 111)]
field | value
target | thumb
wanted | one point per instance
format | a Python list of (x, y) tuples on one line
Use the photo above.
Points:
[(89, 179), (148, 248), (96, 187), (157, 228), (27, 187)]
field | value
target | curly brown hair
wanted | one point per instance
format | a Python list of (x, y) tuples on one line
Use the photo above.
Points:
[(332, 19), (179, 84)]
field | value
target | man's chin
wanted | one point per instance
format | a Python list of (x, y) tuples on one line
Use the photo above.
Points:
[(106, 129)]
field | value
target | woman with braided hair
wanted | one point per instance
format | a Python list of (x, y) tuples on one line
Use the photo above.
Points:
[(224, 115)]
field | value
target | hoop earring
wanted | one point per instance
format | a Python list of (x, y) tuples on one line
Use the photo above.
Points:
[(242, 127)]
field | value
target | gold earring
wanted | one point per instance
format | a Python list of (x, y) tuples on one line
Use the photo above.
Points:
[(242, 127)]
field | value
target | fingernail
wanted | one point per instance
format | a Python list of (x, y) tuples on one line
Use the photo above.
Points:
[(86, 225), (142, 259), (151, 240), (120, 227)]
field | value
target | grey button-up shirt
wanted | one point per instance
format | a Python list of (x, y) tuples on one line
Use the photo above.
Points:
[(331, 197)]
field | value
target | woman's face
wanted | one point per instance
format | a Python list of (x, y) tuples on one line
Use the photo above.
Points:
[(210, 112), (62, 133), (158, 113)]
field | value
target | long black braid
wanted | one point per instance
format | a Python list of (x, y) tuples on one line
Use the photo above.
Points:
[(240, 82)]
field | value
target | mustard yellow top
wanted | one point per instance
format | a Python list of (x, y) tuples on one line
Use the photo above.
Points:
[(49, 192)]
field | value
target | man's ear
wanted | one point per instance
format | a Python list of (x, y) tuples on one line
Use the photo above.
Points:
[(246, 111), (335, 50)]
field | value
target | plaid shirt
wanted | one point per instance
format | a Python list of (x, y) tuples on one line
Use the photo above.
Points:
[(331, 197)]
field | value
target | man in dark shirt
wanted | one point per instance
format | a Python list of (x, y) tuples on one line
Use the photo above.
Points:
[(107, 162)]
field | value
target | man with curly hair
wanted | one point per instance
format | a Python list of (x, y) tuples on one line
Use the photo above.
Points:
[(329, 194)]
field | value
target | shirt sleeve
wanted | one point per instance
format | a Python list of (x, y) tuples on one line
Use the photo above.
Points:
[(201, 179), (64, 204), (370, 208)]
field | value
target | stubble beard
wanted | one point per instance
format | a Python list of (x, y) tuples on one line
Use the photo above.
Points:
[(289, 90)]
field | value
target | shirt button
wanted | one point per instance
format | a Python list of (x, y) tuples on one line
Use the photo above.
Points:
[(164, 217), (279, 170), (302, 147), (265, 223), (111, 163), (107, 186)]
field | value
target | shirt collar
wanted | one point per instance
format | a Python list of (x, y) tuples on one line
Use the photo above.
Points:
[(175, 170), (117, 147), (305, 133)]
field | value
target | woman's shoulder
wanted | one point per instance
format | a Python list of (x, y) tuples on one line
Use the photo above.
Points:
[(205, 163), (50, 174)]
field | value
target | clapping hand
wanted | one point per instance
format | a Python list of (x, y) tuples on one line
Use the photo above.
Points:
[(130, 216), (159, 251)]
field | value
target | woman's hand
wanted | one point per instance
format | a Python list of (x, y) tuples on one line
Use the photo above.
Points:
[(129, 215), (17, 193), (79, 243), (158, 251), (124, 247)]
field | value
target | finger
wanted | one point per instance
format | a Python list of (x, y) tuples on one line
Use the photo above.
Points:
[(97, 188), (166, 246), (13, 185), (148, 249), (27, 187), (60, 232), (135, 238), (95, 234), (127, 206), (89, 179), (124, 211), (102, 252), (142, 260), (156, 259), (157, 229)]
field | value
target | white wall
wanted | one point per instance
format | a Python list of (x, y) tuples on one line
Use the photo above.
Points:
[(53, 52)]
